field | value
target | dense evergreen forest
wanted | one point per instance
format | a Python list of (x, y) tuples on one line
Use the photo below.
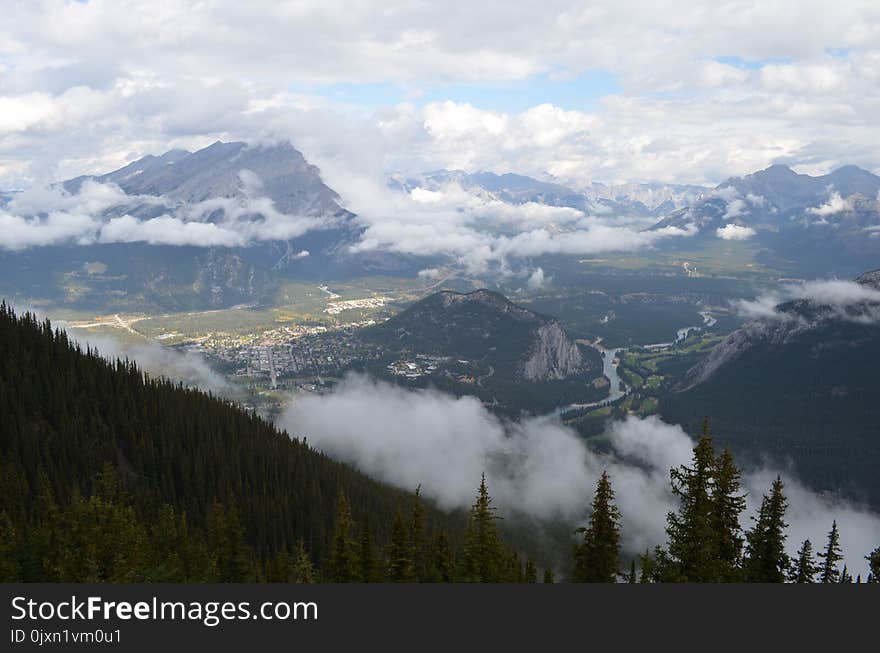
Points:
[(107, 474)]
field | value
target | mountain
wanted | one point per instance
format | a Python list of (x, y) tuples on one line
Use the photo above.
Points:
[(275, 217), (482, 344), (109, 475), (282, 173), (801, 387), (626, 200), (484, 325), (817, 225)]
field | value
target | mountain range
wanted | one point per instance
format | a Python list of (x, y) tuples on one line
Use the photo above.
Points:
[(228, 224), (632, 200), (816, 225)]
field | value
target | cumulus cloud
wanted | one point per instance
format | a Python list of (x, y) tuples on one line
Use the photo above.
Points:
[(734, 209), (735, 232), (537, 466), (835, 204), (847, 299), (537, 279), (429, 273), (694, 96)]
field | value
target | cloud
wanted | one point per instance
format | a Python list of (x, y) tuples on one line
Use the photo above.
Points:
[(429, 273), (537, 280), (537, 466), (477, 230), (694, 96), (735, 232), (166, 230), (50, 216), (734, 209), (186, 367), (835, 204), (847, 299)]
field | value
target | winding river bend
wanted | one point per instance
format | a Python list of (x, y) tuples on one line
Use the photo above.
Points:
[(611, 361)]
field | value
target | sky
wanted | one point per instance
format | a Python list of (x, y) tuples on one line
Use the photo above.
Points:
[(617, 91)]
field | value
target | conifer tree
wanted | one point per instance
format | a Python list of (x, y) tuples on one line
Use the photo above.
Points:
[(691, 532), (632, 577), (367, 554), (727, 505), (873, 559), (845, 576), (418, 537), (828, 572), (441, 568), (548, 575), (343, 565), (399, 567), (597, 557), (804, 569), (483, 555), (531, 573), (766, 560), (303, 570)]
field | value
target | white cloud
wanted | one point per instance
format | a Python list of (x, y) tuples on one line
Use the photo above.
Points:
[(835, 204), (86, 85), (849, 300), (734, 209), (50, 216), (538, 280), (429, 273), (734, 232), (537, 466), (166, 230)]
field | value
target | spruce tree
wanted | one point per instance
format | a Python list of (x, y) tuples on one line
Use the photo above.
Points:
[(632, 576), (804, 569), (342, 566), (548, 575), (727, 505), (766, 560), (597, 557), (691, 533), (441, 566), (418, 538), (873, 559), (303, 570), (483, 555), (531, 572), (367, 557), (399, 567), (828, 572)]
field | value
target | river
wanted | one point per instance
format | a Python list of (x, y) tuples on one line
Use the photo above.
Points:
[(611, 361)]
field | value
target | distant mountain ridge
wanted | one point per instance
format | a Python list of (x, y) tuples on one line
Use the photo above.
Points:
[(829, 224), (640, 200)]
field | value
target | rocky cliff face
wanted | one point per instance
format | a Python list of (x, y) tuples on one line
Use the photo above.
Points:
[(554, 356)]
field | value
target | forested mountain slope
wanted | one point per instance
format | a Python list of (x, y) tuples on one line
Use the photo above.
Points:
[(106, 474)]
